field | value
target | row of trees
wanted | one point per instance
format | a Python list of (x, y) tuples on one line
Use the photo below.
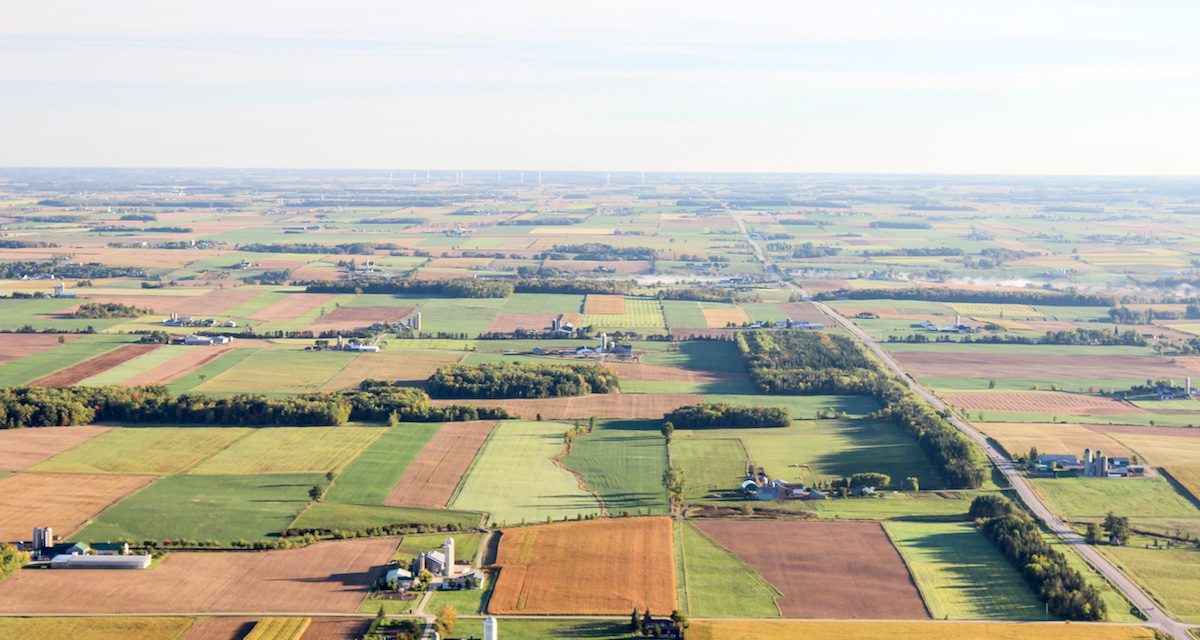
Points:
[(598, 251), (359, 248), (98, 310), (37, 269), (806, 362), (1064, 590), (22, 407), (520, 380), (1069, 298), (719, 415)]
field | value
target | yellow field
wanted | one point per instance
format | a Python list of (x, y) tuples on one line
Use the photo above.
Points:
[(279, 629), (94, 628), (1018, 437), (717, 318), (1188, 476), (790, 629)]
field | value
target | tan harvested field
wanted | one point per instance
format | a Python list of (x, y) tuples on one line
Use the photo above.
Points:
[(804, 311), (64, 501), (18, 345), (717, 318), (335, 629), (1014, 365), (189, 359), (430, 479), (939, 630), (591, 567), (293, 306), (1018, 437), (508, 322), (600, 405), (1038, 401), (90, 367), (824, 569), (602, 303), (327, 577), (96, 628), (317, 271), (220, 629), (358, 317), (23, 448), (410, 366)]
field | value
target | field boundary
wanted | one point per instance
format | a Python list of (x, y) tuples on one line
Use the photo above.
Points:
[(908, 562), (471, 468), (1179, 487)]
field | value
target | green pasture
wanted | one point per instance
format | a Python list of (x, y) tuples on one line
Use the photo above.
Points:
[(1170, 576), (684, 314), (961, 575), (290, 450), (543, 303), (370, 477), (206, 507), (623, 461), (539, 491), (1092, 498), (459, 315), (714, 583), (143, 450), (700, 355), (643, 314), (711, 466)]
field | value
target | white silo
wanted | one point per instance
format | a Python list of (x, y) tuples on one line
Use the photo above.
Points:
[(490, 628), (448, 549)]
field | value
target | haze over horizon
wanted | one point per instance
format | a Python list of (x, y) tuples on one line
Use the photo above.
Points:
[(1061, 87)]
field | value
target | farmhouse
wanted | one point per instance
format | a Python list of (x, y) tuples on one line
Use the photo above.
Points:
[(60, 291), (1093, 465), (206, 340), (80, 555), (176, 320)]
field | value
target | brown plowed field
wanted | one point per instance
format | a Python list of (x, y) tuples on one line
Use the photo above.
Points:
[(717, 318), (64, 501), (824, 569), (331, 576), (185, 363), (804, 311), (600, 405), (215, 301), (358, 317), (23, 448), (430, 479), (591, 567), (335, 629), (602, 303), (92, 366), (1015, 365), (1038, 401), (410, 366), (220, 629), (19, 345), (507, 322), (293, 306)]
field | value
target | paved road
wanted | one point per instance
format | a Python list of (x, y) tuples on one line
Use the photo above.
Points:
[(1017, 480)]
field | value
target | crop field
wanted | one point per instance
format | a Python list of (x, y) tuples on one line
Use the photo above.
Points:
[(684, 314), (137, 366), (638, 313), (183, 361), (155, 451), (532, 629), (989, 310), (1083, 369), (14, 346), (334, 516), (722, 316), (327, 577), (593, 567), (701, 355), (623, 462), (1091, 498), (1172, 576), (88, 368), (278, 371), (279, 629), (961, 575), (369, 478), (411, 366), (219, 628), (861, 574), (224, 361), (711, 466), (542, 490), (290, 450), (787, 630), (1020, 437), (653, 378), (455, 315), (97, 628), (715, 583), (61, 501), (208, 507), (23, 448), (1067, 404), (293, 306), (600, 304), (437, 470), (348, 318), (598, 405)]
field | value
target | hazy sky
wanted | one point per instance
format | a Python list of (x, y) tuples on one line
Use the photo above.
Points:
[(962, 86)]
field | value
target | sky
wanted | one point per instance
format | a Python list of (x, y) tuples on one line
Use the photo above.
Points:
[(871, 86)]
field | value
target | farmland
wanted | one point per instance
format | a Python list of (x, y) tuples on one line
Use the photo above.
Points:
[(66, 501), (594, 567), (623, 463), (96, 628), (157, 451), (369, 478), (290, 450), (713, 582), (781, 630), (432, 476), (21, 448)]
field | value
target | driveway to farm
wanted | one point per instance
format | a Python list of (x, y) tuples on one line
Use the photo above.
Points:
[(1123, 583)]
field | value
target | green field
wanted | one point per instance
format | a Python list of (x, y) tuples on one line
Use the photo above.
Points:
[(30, 368), (539, 491), (290, 450), (525, 629), (801, 407), (466, 602), (370, 477), (136, 366), (223, 363), (624, 462), (640, 313), (334, 516), (543, 303), (699, 355), (278, 371), (1092, 498), (207, 507), (148, 450), (961, 575), (454, 315), (711, 466), (1171, 576), (715, 583), (684, 314)]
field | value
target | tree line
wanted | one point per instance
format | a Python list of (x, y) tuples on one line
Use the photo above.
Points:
[(44, 269), (1068, 298), (812, 363), (721, 415), (1064, 590), (520, 380), (598, 251), (100, 310), (359, 248), (22, 407)]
